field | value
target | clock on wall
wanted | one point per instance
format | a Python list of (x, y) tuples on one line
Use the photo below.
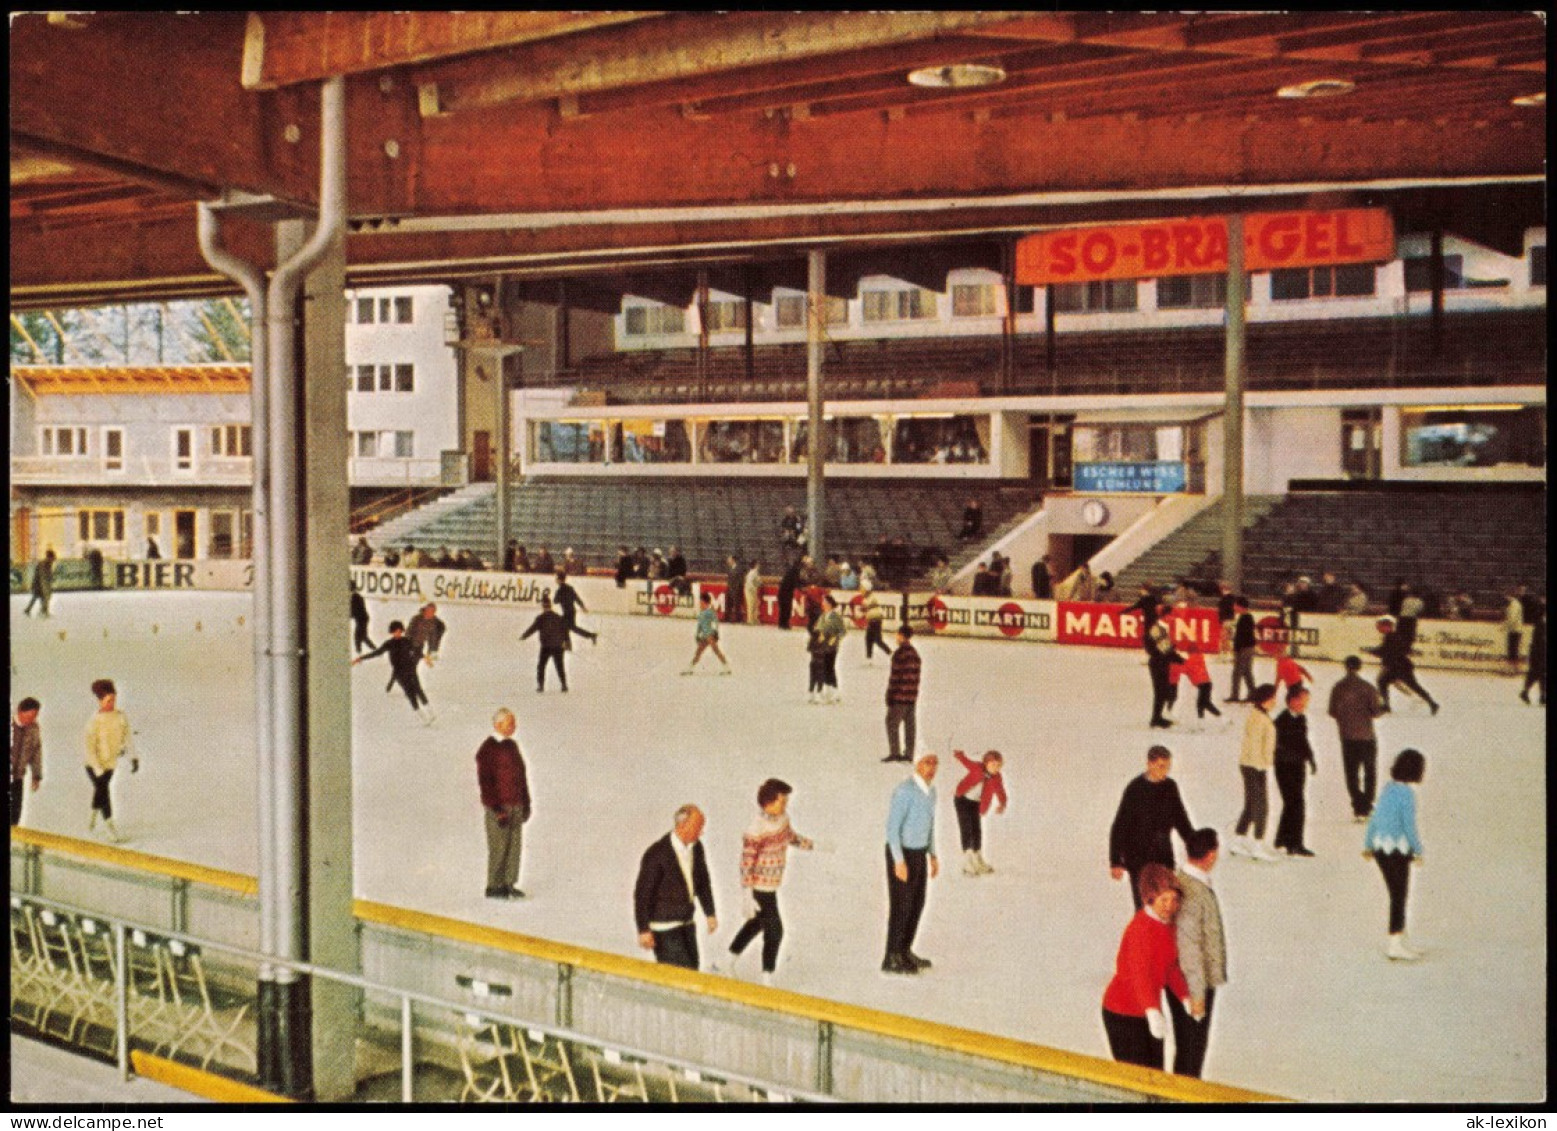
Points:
[(1094, 512)]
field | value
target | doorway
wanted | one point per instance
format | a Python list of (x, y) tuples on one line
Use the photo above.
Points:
[(184, 535), (1362, 443), (481, 457)]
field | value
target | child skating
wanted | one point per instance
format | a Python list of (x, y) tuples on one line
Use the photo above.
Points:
[(979, 789), (764, 851), (404, 654), (707, 634)]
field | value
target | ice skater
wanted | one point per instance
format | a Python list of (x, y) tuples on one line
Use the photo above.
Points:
[(1395, 666), (1160, 657), (26, 754), (672, 873), (1202, 945), (426, 631), (567, 599), (359, 620), (979, 789), (1391, 840), (1256, 755), (870, 606), (825, 636), (707, 635), (1294, 761), (1194, 669), (1150, 810), (1243, 651), (1147, 964), (911, 865), (1535, 673), (1290, 673), (1354, 704), (42, 583), (554, 632), (107, 741), (404, 655), (764, 852)]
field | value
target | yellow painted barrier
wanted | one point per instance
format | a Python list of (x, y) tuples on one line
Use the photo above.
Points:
[(198, 1083), (137, 861)]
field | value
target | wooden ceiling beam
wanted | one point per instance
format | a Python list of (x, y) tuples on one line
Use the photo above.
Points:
[(285, 48), (1388, 28), (678, 46), (1261, 33)]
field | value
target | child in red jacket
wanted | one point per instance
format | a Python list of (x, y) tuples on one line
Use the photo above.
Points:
[(1195, 668), (977, 792), (1291, 673)]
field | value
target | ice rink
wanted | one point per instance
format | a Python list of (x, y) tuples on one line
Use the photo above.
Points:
[(1313, 1010)]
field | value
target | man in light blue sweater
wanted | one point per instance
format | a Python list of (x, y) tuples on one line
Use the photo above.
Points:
[(911, 863)]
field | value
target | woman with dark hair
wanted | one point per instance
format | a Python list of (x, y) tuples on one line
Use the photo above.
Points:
[(1393, 843), (764, 849), (1148, 963)]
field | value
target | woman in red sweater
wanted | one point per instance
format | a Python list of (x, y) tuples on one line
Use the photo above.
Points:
[(1148, 963)]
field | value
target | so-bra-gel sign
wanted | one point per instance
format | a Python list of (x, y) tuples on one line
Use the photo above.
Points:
[(1198, 245)]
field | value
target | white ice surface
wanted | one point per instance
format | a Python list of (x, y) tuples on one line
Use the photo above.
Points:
[(1313, 1010)]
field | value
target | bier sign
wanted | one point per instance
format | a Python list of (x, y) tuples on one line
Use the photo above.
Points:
[(1198, 245)]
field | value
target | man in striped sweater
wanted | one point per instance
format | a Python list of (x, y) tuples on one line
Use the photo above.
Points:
[(902, 697)]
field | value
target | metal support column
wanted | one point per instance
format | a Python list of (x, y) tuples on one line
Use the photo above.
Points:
[(1232, 415), (816, 314), (702, 333), (496, 362)]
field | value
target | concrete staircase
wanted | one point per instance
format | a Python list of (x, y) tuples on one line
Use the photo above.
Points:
[(1186, 552), (400, 530)]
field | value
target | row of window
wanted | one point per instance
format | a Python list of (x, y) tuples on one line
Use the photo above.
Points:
[(231, 531), (399, 378), (981, 300), (371, 309), (226, 441), (388, 445)]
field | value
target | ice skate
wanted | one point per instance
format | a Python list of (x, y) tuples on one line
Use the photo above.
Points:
[(92, 821), (1258, 850), (1398, 951), (813, 699), (969, 864), (112, 831), (767, 977), (726, 670), (686, 671), (983, 865)]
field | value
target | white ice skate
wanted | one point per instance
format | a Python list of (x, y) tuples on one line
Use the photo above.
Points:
[(726, 670), (1398, 951), (686, 671), (1238, 846), (1258, 850), (983, 865), (969, 864), (113, 832), (813, 699)]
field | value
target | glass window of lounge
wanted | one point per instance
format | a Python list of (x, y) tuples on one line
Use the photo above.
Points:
[(365, 310), (848, 439), (224, 534), (656, 318), (403, 308), (740, 441), (651, 441), (1350, 280), (1450, 436), (184, 449), (1096, 297), (724, 314), (941, 438), (975, 300), (57, 441), (1419, 273), (1133, 443), (1182, 292), (789, 311), (899, 305), (113, 449), (570, 441), (100, 524)]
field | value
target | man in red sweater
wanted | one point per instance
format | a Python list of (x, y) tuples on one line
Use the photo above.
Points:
[(505, 796), (902, 697)]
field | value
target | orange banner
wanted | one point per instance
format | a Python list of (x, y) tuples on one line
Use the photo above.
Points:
[(1198, 245)]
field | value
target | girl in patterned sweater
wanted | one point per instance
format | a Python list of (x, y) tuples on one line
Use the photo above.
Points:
[(764, 848)]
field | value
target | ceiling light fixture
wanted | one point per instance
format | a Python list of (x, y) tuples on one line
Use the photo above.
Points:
[(1317, 88), (1536, 99), (958, 75)]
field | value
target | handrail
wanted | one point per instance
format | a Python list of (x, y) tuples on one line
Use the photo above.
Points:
[(207, 1085), (391, 506)]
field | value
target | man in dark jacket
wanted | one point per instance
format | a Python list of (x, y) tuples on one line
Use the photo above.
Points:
[(672, 873), (1043, 581), (1160, 657), (403, 658), (1243, 650), (1149, 811), (1395, 666), (1354, 704), (1294, 762), (554, 638), (359, 619), (505, 799), (734, 590), (902, 697), (787, 586), (624, 566), (570, 603), (1147, 606)]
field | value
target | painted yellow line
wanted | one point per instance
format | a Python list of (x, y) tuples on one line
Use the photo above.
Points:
[(198, 1083), (1107, 1073), (138, 861)]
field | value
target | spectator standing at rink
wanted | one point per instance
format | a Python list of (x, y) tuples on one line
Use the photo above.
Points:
[(764, 852), (1395, 666), (911, 865), (153, 554), (574, 566), (542, 562), (1226, 614), (1513, 627), (1202, 946), (902, 697), (554, 632), (1105, 587), (568, 600), (940, 575), (791, 531), (1150, 810), (1243, 651), (107, 739), (829, 633), (972, 522), (1043, 580), (671, 875), (1080, 586), (979, 789), (510, 555), (42, 583), (1392, 841), (1535, 673), (1294, 761), (832, 572), (984, 584), (870, 607), (734, 589), (403, 657), (640, 563), (1147, 964), (1329, 595), (1397, 595), (1303, 599), (26, 754), (1256, 755), (786, 590), (848, 580), (676, 571), (361, 553), (505, 800), (624, 566), (1356, 603), (707, 634), (359, 620), (521, 560), (1354, 704), (753, 593), (426, 631)]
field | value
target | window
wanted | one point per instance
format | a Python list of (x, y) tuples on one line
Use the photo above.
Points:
[(1193, 291), (1473, 436), (184, 449), (54, 441), (1351, 280), (403, 309), (1538, 265), (938, 438), (246, 534), (790, 311), (153, 524), (405, 378), (113, 449), (405, 444), (899, 306), (1419, 273), (657, 319), (974, 300), (365, 310), (101, 525), (232, 440), (364, 378), (385, 307), (724, 315), (367, 445), (222, 534), (1089, 298)]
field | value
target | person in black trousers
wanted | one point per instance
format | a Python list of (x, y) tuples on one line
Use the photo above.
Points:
[(1160, 656), (359, 618), (1395, 666), (1294, 762), (1536, 672), (568, 600), (554, 638), (663, 894), (404, 655), (1243, 652), (787, 585), (1150, 810)]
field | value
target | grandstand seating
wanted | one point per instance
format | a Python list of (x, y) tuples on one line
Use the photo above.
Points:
[(709, 518), (1337, 353)]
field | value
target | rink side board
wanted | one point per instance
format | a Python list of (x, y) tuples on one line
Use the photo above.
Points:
[(207, 1085)]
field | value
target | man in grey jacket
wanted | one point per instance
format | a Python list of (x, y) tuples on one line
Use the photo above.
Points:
[(1202, 953), (1354, 704)]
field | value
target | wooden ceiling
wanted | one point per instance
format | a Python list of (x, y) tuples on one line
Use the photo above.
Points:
[(551, 143)]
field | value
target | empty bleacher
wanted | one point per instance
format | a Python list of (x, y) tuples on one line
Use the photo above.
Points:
[(709, 518)]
